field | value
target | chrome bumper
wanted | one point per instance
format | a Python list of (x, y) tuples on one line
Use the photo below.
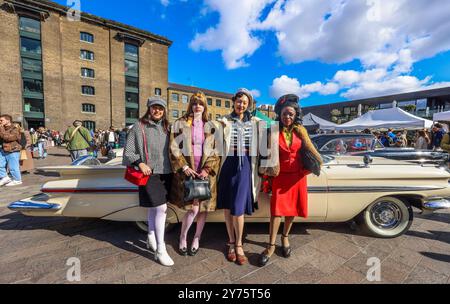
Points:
[(437, 203), (29, 205)]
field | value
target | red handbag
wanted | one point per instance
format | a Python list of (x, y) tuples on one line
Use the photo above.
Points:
[(135, 176)]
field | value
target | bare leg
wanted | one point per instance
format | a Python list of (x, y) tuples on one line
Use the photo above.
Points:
[(287, 229), (275, 222), (238, 224), (229, 224)]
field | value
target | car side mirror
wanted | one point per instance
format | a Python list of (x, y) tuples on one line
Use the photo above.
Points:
[(367, 160)]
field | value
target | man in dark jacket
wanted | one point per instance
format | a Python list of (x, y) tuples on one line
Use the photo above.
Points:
[(9, 152), (438, 134)]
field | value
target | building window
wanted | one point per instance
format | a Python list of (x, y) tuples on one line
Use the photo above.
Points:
[(32, 46), (86, 37), (131, 50), (175, 114), (88, 73), (132, 82), (131, 113), (87, 90), (33, 105), (217, 116), (30, 25), (131, 66), (32, 86), (157, 91), (90, 125), (218, 103), (31, 65), (175, 97), (88, 108), (227, 103), (87, 55), (209, 101), (132, 97), (184, 98)]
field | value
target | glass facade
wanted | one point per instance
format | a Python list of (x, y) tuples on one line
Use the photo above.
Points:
[(131, 67), (32, 80)]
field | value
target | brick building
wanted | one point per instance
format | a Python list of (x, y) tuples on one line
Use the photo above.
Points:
[(219, 103), (54, 70)]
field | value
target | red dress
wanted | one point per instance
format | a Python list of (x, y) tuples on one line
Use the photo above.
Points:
[(289, 189)]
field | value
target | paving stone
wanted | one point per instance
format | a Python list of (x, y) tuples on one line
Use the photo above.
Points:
[(437, 260), (299, 257), (394, 272), (422, 275), (343, 275), (219, 276), (346, 250), (328, 242), (307, 274), (327, 262), (405, 256)]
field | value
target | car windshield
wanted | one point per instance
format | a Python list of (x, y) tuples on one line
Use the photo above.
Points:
[(345, 145)]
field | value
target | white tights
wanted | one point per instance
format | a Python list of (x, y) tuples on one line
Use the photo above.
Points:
[(157, 223), (188, 220)]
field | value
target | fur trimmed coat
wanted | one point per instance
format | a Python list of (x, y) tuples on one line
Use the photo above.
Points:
[(182, 155), (307, 146)]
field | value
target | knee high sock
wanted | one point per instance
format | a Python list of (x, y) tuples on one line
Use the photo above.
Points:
[(157, 223), (187, 223)]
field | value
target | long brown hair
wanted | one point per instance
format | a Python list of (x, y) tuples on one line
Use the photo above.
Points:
[(165, 122), (197, 97)]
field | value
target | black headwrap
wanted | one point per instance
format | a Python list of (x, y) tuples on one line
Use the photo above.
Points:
[(289, 100)]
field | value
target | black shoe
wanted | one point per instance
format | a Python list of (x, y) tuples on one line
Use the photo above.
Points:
[(286, 250), (264, 258), (193, 251), (182, 251)]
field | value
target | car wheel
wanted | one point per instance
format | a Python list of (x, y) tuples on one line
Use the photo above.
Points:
[(171, 222), (387, 217)]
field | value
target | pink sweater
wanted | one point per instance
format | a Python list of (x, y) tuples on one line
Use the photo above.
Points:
[(198, 138)]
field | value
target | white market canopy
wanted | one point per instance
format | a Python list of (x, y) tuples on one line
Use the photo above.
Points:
[(443, 116), (394, 118), (311, 120)]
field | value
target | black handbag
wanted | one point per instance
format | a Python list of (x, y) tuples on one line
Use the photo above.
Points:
[(196, 189), (310, 162)]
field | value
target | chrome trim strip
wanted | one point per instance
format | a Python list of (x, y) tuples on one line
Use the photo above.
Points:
[(33, 205), (371, 189)]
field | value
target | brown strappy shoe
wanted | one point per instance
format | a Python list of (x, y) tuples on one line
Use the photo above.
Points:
[(231, 252), (240, 259)]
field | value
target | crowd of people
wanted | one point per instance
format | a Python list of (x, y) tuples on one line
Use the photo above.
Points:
[(189, 150), (19, 147)]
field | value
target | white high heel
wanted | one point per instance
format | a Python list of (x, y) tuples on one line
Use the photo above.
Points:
[(151, 242), (163, 257)]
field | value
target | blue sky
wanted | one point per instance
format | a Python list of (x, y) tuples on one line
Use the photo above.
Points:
[(324, 51)]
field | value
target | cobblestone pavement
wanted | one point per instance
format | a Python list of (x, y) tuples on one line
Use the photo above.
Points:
[(35, 250)]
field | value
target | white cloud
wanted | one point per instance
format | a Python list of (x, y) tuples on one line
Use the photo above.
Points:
[(286, 85), (233, 35), (255, 93), (165, 2)]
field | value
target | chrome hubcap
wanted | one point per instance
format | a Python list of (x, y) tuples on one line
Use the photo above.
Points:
[(386, 215)]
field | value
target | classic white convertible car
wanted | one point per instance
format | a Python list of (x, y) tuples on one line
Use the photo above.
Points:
[(378, 194)]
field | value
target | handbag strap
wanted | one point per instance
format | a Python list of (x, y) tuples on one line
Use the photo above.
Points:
[(145, 142)]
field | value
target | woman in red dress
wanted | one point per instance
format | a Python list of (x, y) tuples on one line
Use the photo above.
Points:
[(289, 185)]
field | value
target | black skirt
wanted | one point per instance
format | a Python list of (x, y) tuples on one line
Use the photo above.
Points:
[(156, 192)]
